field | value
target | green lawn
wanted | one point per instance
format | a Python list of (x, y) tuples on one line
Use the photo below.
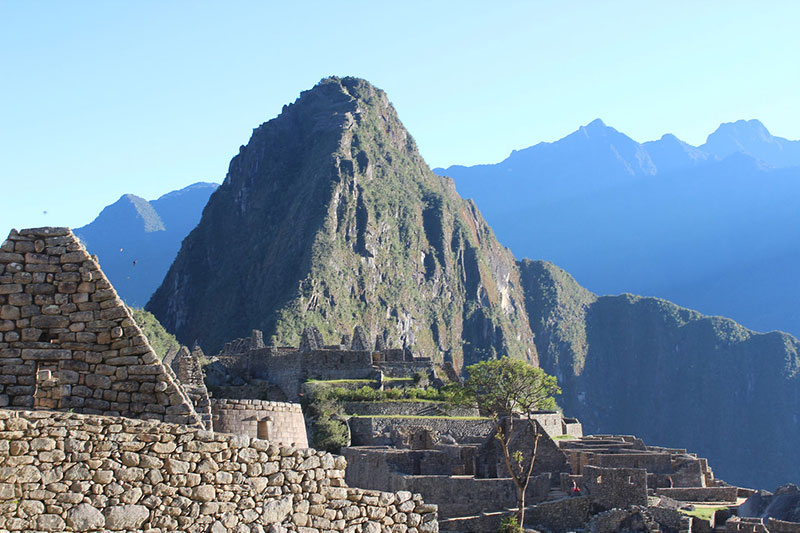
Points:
[(704, 512), (340, 381)]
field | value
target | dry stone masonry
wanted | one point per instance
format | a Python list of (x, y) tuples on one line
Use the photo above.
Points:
[(67, 342), (115, 441), (288, 368), (186, 366), (73, 472), (277, 422)]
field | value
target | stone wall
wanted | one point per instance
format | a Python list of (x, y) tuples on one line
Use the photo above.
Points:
[(67, 342), (745, 525), (559, 516), (378, 431), (288, 367), (615, 487), (630, 519), (781, 526), (72, 472), (289, 370), (282, 423), (700, 494), (465, 496), (186, 366), (400, 408), (491, 462), (671, 519), (652, 462), (430, 473)]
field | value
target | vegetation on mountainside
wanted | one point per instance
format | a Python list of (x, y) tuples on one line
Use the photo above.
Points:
[(506, 388), (329, 217), (160, 340)]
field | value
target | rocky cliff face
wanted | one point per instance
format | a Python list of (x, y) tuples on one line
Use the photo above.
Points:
[(670, 375), (329, 217)]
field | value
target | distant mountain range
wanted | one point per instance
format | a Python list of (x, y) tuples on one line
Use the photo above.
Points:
[(137, 240), (715, 228)]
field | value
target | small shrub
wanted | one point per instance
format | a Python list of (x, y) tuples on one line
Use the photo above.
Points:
[(509, 524), (394, 394), (330, 434)]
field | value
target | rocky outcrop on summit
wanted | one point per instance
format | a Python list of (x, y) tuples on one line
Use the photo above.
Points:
[(670, 375), (329, 217)]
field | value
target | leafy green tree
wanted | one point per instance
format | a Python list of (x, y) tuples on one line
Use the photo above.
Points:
[(328, 421), (506, 387)]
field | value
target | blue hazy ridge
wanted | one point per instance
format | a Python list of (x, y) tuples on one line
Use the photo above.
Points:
[(136, 240), (715, 228)]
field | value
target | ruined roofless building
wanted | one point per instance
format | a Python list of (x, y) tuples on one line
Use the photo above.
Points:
[(288, 368), (67, 341)]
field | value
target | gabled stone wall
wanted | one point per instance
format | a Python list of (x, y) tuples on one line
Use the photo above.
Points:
[(615, 487), (67, 342)]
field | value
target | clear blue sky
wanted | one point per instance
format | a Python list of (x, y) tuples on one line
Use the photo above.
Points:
[(102, 98)]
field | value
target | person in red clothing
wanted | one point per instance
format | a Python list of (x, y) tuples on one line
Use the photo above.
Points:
[(575, 490)]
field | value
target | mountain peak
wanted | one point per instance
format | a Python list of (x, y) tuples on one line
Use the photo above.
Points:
[(329, 217), (150, 220), (753, 138), (597, 125), (742, 129)]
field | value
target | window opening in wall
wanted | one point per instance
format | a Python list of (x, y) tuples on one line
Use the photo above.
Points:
[(263, 429), (48, 336)]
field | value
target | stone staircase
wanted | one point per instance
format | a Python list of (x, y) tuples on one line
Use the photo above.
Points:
[(431, 410), (556, 494)]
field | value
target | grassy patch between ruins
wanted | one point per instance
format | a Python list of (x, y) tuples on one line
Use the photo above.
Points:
[(704, 513), (335, 381)]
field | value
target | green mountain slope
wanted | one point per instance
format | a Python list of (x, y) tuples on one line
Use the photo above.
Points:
[(645, 366), (330, 217)]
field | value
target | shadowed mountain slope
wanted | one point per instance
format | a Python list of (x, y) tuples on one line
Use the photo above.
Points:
[(670, 375)]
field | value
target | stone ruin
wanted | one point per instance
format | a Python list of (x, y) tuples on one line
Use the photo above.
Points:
[(67, 341), (96, 433), (360, 342), (623, 482), (240, 346), (246, 361), (186, 366)]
